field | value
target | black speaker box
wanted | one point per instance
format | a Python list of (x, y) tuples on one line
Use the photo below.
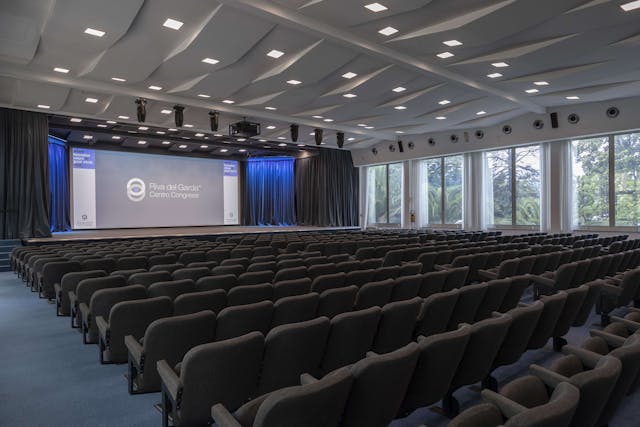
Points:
[(554, 120)]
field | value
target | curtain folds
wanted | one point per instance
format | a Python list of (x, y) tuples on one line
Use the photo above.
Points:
[(59, 182), (24, 177), (269, 192), (327, 190)]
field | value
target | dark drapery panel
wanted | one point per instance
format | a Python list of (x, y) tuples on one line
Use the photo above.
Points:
[(327, 190), (59, 182), (24, 178), (269, 192)]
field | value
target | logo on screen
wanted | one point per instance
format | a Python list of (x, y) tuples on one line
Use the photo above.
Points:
[(136, 190)]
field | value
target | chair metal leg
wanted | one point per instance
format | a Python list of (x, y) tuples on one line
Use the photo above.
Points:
[(450, 405)]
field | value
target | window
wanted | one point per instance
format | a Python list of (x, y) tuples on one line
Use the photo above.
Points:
[(512, 187), (384, 194), (606, 189), (441, 191)]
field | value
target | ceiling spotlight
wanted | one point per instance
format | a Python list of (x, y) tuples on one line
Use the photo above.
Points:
[(500, 64), (275, 54), (369, 127), (166, 142), (349, 75), (532, 91), (223, 150), (271, 127), (214, 120), (294, 82), (165, 111), (445, 55), (199, 135), (115, 137), (399, 131), (452, 43), (75, 120), (228, 101), (141, 142), (44, 107), (87, 137), (318, 117), (317, 133), (400, 107), (282, 144), (173, 24), (61, 70), (143, 128), (340, 139), (123, 117), (327, 120), (172, 130), (160, 132), (281, 137), (444, 102), (93, 32), (441, 118), (481, 113), (210, 61), (118, 79), (630, 6), (388, 31), (91, 100), (101, 125), (494, 75), (183, 146), (242, 150), (541, 83), (351, 139), (376, 7), (573, 98), (270, 108), (399, 89), (349, 95), (295, 129), (178, 115), (204, 95), (141, 109), (152, 87), (362, 125), (188, 125), (111, 122), (241, 139), (204, 147)]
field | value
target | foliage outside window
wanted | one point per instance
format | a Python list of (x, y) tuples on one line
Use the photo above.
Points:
[(384, 194), (442, 207)]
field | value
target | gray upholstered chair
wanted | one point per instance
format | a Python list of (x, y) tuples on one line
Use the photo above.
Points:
[(432, 283), (131, 263), (289, 288), (192, 273), (165, 339), (548, 284), (514, 294), (106, 264), (617, 293), (148, 278), (493, 298), (161, 260), (261, 266), (325, 282), (69, 283), (194, 302), (128, 318), (166, 267), (316, 270), (406, 287), (224, 372), (240, 320), (249, 294), (298, 308), (336, 301), (211, 283), (374, 294), (480, 415), (172, 289), (456, 278), (469, 299), (575, 300), (235, 269), (396, 326), (359, 277), (52, 274), (85, 290), (553, 305), (255, 278), (290, 273), (435, 313), (507, 268)]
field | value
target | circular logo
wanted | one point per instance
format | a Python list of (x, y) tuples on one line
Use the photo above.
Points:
[(136, 190)]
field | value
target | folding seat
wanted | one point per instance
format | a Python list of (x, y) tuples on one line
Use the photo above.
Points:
[(485, 339), (244, 262), (291, 274), (396, 326), (337, 301), (290, 263), (507, 268), (351, 335), (249, 294), (262, 251), (69, 283), (52, 274), (288, 288), (166, 267), (467, 305), (194, 302), (241, 252), (333, 248), (315, 260), (364, 253), (106, 264), (406, 287), (456, 278), (165, 339), (85, 289), (428, 261), (255, 278), (579, 276), (100, 305), (234, 321), (34, 275), (193, 273), (493, 298), (550, 283), (224, 372), (374, 294), (171, 289), (337, 258), (359, 277), (348, 247), (432, 283), (435, 313), (299, 308), (222, 281), (148, 253), (218, 255), (439, 358), (262, 266), (553, 305), (288, 256), (511, 300), (324, 282), (384, 273), (161, 260), (595, 381), (321, 269), (393, 257), (235, 269), (494, 258), (409, 269), (263, 258), (616, 293), (315, 247), (558, 259)]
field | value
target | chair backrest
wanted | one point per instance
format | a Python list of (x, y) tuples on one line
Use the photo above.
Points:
[(131, 263), (249, 294), (469, 300), (291, 273), (106, 264), (480, 415), (161, 259), (374, 294), (149, 278), (255, 278), (316, 270), (172, 289), (523, 323), (294, 309), (261, 266), (456, 278), (222, 281), (235, 269), (573, 304), (432, 283), (396, 325), (87, 287), (335, 301), (103, 299), (325, 282), (406, 287), (359, 277), (192, 273), (289, 288), (553, 305), (194, 302), (242, 319), (435, 313), (493, 298), (166, 267)]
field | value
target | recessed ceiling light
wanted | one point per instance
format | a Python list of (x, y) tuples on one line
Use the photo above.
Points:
[(399, 131), (115, 137), (270, 108), (573, 98), (75, 120), (204, 147), (204, 95), (541, 83), (481, 113), (294, 82), (87, 137), (349, 75), (318, 117), (210, 61), (118, 79), (166, 111), (241, 139), (166, 142), (362, 125), (400, 107), (223, 150), (152, 87), (141, 142), (123, 117), (173, 24), (453, 43), (282, 144), (441, 118), (183, 146), (270, 127), (91, 100), (242, 150), (172, 130), (630, 6), (217, 135), (376, 7), (500, 64), (349, 95), (444, 102), (323, 143), (101, 125), (159, 132), (351, 139), (301, 145), (143, 128), (46, 107), (312, 134), (532, 91), (188, 125), (275, 54), (494, 75), (262, 140), (369, 127), (228, 101), (327, 120), (111, 122), (281, 137), (445, 55), (387, 31), (399, 89), (94, 32), (199, 135)]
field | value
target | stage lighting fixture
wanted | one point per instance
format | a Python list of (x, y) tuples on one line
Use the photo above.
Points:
[(340, 138), (178, 113), (214, 120), (141, 109), (294, 132), (318, 136)]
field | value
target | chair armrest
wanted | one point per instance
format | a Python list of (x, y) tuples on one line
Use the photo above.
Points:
[(523, 304), (223, 417), (85, 312), (73, 299), (508, 407), (171, 381), (371, 354), (487, 274), (614, 281), (630, 324), (135, 349), (588, 358), (306, 379), (550, 378), (611, 339), (635, 310), (103, 327)]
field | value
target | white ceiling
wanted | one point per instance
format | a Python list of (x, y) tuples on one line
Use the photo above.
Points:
[(589, 49)]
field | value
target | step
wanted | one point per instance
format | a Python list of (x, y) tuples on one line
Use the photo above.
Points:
[(4, 265)]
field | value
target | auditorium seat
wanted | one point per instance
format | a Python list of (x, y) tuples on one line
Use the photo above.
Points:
[(52, 274), (166, 267), (261, 266), (207, 264), (347, 266), (432, 283), (193, 273), (290, 274), (161, 260), (243, 261), (239, 320), (325, 282), (435, 313), (456, 278), (69, 283), (293, 309), (85, 290), (553, 306), (221, 281), (335, 301), (106, 264), (396, 325), (616, 293), (131, 263), (469, 299), (406, 287), (249, 294), (165, 339), (316, 270), (255, 278), (493, 298), (187, 258), (171, 289), (374, 294), (519, 285), (359, 277), (235, 269), (289, 288), (147, 278), (194, 302)]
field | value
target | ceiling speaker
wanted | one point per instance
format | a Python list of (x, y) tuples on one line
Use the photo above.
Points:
[(479, 134), (554, 120), (454, 138), (538, 124), (374, 150), (411, 145), (400, 146), (141, 109), (340, 139), (432, 141), (294, 132), (506, 129), (318, 136), (613, 112), (214, 120), (573, 118), (392, 148), (178, 115)]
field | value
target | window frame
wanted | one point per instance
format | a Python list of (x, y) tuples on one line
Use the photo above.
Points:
[(443, 194), (388, 199)]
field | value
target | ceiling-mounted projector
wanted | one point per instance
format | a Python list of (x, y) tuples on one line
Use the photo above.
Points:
[(244, 128)]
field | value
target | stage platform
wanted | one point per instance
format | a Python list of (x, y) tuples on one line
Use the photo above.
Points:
[(155, 233)]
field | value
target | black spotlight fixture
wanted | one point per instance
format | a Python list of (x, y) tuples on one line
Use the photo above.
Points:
[(294, 132), (178, 115), (141, 109), (214, 120), (340, 138), (318, 135)]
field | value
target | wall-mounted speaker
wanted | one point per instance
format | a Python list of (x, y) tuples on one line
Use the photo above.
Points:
[(573, 118), (411, 145), (141, 109), (613, 112), (506, 129), (538, 124), (214, 120), (318, 136), (374, 150), (294, 132), (479, 134), (340, 139), (178, 115), (432, 141), (392, 148), (400, 146), (554, 120), (454, 138)]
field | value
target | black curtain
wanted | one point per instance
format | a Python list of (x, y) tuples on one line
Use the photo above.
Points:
[(326, 190), (25, 197)]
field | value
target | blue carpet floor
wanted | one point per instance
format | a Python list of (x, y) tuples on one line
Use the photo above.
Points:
[(49, 378)]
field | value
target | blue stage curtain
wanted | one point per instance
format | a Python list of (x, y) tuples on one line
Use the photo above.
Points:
[(269, 197), (59, 182)]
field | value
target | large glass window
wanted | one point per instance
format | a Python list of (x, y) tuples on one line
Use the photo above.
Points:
[(384, 194), (627, 169), (441, 191), (512, 188)]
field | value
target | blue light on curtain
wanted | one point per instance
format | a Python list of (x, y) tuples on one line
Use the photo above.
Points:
[(269, 191), (59, 181)]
